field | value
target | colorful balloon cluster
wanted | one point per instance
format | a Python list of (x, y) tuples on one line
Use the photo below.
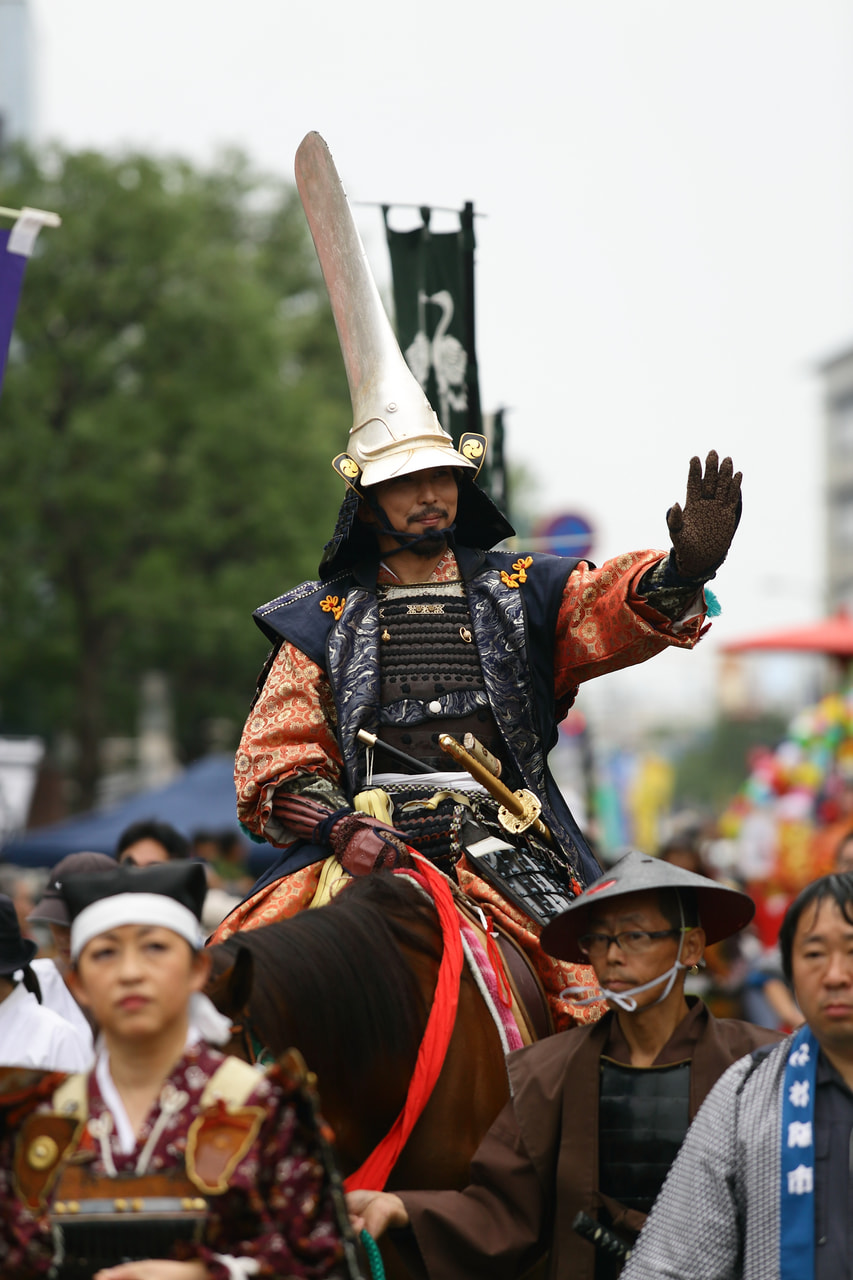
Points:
[(797, 802)]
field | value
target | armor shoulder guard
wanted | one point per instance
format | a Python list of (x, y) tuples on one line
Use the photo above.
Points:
[(45, 1142), (234, 1081), (72, 1097), (223, 1132), (218, 1139), (540, 580), (304, 616)]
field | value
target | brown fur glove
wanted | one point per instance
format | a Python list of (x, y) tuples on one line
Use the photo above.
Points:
[(702, 532), (360, 842), (364, 844)]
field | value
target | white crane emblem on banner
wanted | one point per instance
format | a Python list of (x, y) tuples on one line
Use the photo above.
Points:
[(442, 353)]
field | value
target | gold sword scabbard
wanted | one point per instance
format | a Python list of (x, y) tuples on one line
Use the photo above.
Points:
[(518, 810)]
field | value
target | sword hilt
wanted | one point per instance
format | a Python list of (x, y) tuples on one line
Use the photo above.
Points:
[(604, 1239), (522, 808)]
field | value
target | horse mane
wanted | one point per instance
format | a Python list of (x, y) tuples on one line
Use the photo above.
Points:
[(338, 981)]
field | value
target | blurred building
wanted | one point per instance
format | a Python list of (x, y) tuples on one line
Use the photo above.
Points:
[(837, 375), (16, 75)]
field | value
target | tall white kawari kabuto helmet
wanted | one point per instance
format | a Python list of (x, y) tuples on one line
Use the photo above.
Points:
[(395, 430)]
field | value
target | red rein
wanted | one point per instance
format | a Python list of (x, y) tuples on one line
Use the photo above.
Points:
[(374, 1172)]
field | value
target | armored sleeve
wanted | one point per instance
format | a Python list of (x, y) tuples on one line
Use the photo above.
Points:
[(26, 1243), (277, 1215), (605, 623), (288, 741)]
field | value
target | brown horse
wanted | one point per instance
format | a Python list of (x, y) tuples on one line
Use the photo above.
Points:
[(351, 985)]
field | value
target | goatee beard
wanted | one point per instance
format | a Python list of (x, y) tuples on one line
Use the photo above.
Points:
[(432, 545)]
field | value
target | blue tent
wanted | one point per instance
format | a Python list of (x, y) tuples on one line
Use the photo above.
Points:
[(202, 798)]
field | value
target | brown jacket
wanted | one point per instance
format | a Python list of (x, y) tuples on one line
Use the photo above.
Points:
[(537, 1167)]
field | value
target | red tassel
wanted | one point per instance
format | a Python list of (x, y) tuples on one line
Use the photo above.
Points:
[(497, 962)]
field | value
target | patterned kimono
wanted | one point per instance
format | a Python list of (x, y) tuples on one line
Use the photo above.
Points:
[(270, 1213)]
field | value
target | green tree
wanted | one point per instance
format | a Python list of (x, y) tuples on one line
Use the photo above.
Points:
[(173, 399)]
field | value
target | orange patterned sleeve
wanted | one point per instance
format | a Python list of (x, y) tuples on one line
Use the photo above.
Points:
[(603, 625), (290, 731)]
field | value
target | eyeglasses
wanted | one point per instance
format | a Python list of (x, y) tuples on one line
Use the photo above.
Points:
[(633, 941)]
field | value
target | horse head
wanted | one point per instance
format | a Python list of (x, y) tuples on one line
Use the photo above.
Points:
[(351, 985), (229, 986)]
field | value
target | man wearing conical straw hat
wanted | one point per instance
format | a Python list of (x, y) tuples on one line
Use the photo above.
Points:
[(418, 631)]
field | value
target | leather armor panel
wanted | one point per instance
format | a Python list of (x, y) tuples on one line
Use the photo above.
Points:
[(431, 676), (643, 1115), (100, 1222)]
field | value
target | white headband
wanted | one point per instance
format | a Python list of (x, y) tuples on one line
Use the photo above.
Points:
[(134, 908)]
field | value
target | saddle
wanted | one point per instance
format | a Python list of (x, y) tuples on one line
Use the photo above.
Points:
[(530, 1006)]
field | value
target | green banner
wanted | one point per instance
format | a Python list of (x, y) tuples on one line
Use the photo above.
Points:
[(433, 285), (434, 304), (494, 477)]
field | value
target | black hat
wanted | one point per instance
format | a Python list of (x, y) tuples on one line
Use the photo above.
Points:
[(52, 907), (16, 951), (722, 911), (170, 894)]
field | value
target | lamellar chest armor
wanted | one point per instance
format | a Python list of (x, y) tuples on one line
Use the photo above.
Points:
[(643, 1115), (102, 1222), (431, 677)]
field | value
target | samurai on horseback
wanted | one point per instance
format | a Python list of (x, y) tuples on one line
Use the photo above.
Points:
[(419, 637)]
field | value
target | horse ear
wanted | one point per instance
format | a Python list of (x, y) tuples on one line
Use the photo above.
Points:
[(230, 984)]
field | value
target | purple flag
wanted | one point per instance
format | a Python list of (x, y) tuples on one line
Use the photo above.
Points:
[(11, 274)]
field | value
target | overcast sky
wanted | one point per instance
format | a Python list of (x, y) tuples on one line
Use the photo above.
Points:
[(667, 251)]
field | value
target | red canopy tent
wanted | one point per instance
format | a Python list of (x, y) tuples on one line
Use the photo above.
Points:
[(832, 636)]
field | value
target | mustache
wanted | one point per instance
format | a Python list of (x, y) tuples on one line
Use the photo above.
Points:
[(424, 513)]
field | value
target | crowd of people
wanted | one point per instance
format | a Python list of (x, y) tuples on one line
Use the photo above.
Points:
[(598, 1116)]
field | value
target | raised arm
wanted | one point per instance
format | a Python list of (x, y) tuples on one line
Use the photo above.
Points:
[(640, 603)]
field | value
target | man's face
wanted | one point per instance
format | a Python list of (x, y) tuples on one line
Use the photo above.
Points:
[(422, 502), (61, 937), (822, 969), (144, 853), (619, 970)]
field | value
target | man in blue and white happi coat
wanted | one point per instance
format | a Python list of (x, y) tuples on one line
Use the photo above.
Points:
[(762, 1186)]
